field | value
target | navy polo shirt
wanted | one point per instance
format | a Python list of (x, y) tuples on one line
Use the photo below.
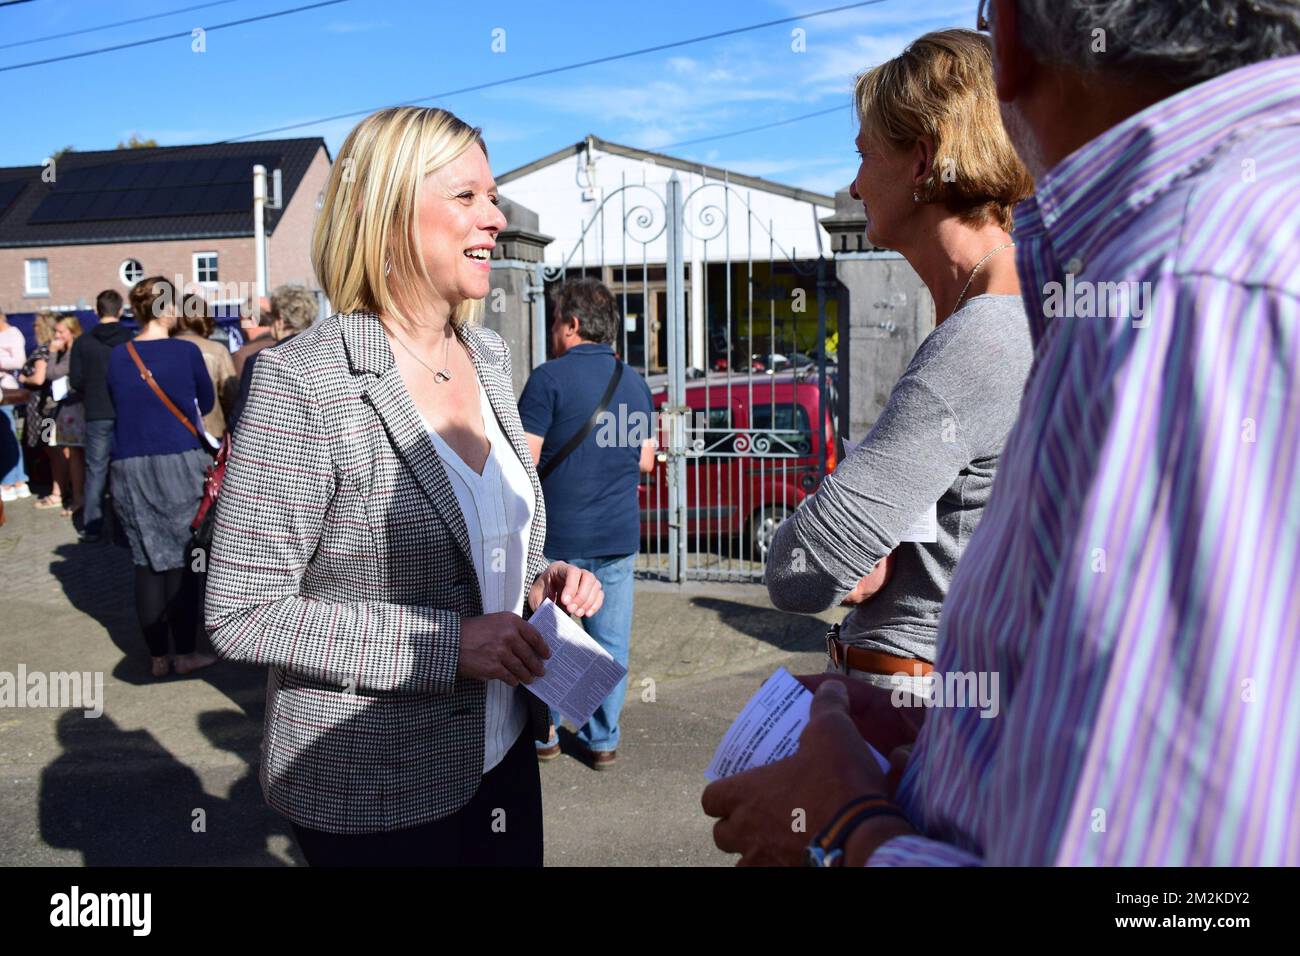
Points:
[(591, 500)]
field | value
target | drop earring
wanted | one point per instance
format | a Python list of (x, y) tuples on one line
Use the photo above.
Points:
[(388, 266), (916, 197)]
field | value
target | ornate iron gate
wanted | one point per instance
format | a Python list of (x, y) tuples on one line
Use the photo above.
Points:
[(744, 439)]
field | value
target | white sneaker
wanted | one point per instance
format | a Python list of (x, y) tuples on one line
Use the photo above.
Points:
[(23, 491), (8, 494)]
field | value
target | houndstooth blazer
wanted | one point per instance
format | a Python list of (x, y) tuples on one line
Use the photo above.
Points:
[(341, 560)]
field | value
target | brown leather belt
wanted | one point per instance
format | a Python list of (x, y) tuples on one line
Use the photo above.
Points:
[(847, 657)]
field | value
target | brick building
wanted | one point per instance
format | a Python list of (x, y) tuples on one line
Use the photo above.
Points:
[(111, 217)]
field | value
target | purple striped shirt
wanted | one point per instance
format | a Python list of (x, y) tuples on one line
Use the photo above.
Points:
[(1135, 582)]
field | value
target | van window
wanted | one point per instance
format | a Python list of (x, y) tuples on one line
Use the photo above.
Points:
[(789, 425), (715, 428)]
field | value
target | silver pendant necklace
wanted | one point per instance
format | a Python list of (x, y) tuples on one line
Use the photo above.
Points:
[(438, 376)]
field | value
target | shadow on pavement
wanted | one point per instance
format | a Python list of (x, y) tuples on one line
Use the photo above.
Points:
[(99, 581), (782, 629), (120, 799)]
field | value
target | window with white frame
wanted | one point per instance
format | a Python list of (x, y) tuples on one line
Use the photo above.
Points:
[(131, 271), (37, 276), (205, 268)]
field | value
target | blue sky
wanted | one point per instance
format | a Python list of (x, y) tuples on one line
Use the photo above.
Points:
[(365, 54)]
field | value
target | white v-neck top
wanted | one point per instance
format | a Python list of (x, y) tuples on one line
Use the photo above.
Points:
[(498, 506)]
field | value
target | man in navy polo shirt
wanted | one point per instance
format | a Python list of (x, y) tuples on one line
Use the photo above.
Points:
[(593, 519)]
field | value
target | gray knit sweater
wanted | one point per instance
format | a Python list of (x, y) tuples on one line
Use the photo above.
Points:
[(936, 443)]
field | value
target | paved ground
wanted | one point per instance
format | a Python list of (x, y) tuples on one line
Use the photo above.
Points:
[(127, 787)]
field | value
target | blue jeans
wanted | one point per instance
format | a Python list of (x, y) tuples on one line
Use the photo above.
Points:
[(611, 628), (99, 449), (12, 471)]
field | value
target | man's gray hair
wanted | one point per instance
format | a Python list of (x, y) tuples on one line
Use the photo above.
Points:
[(295, 306), (593, 305), (1178, 41)]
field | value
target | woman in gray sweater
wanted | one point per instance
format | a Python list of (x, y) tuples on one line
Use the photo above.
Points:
[(938, 179)]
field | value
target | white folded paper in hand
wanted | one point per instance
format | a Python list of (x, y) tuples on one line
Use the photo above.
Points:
[(768, 728), (579, 673), (59, 388)]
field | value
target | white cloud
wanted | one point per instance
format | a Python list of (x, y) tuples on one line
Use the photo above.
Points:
[(655, 137), (743, 81)]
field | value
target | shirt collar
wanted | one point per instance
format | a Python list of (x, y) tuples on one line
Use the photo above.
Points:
[(591, 348), (1081, 199)]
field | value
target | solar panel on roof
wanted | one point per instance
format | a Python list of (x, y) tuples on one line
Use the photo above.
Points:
[(224, 197), (80, 180), (68, 178), (135, 189), (166, 202), (100, 205), (130, 204), (55, 204), (9, 192), (184, 202), (155, 202), (204, 171), (129, 175), (172, 174)]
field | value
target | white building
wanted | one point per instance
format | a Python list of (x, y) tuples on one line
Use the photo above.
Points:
[(605, 206)]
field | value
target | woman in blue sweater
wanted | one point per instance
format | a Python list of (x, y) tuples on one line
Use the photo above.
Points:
[(157, 471)]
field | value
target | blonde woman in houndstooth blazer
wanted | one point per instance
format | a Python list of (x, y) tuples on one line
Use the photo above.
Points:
[(379, 534)]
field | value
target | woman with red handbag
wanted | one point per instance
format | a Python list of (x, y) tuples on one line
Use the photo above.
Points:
[(161, 389)]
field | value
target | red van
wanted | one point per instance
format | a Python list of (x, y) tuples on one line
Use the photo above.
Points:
[(760, 457)]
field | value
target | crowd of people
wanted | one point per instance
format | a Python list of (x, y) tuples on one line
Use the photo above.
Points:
[(1109, 488), (131, 414), (1113, 529)]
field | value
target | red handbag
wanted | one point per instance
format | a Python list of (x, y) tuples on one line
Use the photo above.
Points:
[(204, 521)]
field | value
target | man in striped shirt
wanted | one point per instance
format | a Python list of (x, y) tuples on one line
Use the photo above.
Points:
[(1135, 583)]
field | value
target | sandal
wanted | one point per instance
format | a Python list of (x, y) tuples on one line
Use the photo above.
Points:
[(48, 502)]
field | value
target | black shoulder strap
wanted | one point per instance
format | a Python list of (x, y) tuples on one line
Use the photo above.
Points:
[(581, 434)]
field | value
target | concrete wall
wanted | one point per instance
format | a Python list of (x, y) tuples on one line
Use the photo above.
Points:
[(508, 310), (890, 313), (885, 313)]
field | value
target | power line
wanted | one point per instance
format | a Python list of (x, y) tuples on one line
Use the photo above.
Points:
[(753, 129), (806, 16), (109, 26), (171, 36), (562, 69)]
